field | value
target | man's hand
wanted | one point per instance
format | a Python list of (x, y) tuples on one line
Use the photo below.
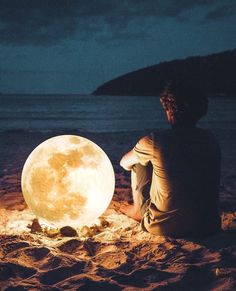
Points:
[(129, 160)]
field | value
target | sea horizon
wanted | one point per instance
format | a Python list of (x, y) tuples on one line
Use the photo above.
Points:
[(99, 113)]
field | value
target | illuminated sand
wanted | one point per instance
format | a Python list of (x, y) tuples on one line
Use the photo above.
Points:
[(68, 180), (118, 256)]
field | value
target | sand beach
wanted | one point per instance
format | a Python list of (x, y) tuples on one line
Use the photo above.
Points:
[(115, 254)]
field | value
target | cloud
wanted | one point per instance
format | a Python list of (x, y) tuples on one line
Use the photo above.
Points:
[(47, 22), (222, 12), (36, 22)]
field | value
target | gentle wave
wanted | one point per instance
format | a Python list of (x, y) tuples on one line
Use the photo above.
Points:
[(99, 113)]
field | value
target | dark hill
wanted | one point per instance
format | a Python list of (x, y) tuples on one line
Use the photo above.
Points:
[(215, 74)]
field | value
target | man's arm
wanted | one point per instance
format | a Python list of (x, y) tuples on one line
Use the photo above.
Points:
[(129, 160)]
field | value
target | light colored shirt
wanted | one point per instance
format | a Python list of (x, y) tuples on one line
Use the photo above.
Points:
[(185, 181)]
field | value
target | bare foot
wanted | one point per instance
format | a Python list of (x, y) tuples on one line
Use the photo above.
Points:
[(130, 211)]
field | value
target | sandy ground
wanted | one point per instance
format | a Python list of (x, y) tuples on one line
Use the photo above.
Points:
[(116, 254)]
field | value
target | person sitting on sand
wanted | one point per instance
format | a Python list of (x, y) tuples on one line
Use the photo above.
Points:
[(175, 173)]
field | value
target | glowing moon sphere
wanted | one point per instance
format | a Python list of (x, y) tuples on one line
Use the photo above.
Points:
[(68, 180)]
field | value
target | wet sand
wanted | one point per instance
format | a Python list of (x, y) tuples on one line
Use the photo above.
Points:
[(116, 254)]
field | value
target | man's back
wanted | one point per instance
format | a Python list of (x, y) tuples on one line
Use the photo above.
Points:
[(185, 182)]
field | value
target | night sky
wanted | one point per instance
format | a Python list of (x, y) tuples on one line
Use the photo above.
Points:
[(73, 46)]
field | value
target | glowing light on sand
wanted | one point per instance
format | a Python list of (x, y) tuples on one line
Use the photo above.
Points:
[(68, 180)]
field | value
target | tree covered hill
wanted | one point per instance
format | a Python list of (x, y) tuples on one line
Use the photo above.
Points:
[(215, 74)]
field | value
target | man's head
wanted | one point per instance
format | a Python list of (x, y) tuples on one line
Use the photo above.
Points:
[(184, 104)]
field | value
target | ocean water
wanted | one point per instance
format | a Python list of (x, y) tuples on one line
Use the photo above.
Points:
[(99, 113)]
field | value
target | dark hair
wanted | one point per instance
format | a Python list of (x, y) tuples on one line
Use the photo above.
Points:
[(186, 103)]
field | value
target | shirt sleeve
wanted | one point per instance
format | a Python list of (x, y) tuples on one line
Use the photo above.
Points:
[(144, 150)]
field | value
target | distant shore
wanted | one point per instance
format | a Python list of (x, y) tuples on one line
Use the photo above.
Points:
[(214, 74)]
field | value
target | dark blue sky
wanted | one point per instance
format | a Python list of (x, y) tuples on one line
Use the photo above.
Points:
[(73, 46)]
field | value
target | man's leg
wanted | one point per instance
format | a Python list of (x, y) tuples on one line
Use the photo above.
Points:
[(141, 177)]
